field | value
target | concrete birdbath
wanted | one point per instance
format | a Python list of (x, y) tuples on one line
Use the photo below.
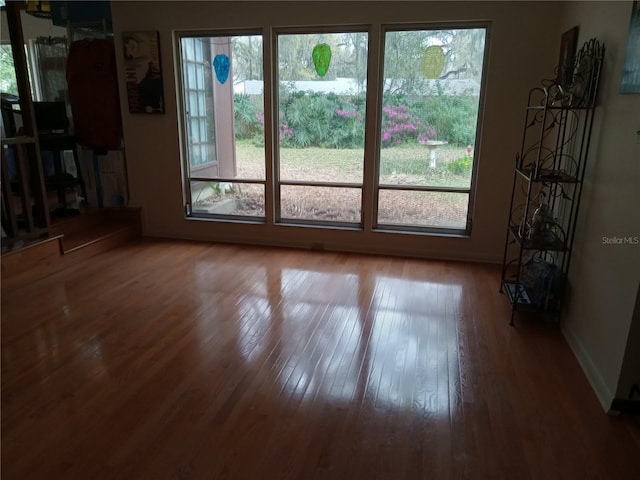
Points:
[(432, 146)]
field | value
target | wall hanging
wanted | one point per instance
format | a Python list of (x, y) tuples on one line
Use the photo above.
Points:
[(630, 82), (568, 46), (143, 71)]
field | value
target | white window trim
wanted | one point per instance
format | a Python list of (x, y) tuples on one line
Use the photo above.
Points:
[(371, 163)]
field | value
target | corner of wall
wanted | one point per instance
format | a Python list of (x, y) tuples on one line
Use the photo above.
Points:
[(591, 371), (598, 322)]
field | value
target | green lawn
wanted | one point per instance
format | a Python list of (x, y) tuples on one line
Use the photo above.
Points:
[(398, 165), (405, 165)]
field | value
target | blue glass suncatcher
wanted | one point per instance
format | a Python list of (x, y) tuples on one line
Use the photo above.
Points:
[(222, 65)]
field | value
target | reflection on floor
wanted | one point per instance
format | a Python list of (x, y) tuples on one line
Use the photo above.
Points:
[(168, 359)]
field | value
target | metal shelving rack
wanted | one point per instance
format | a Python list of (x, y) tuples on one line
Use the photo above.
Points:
[(549, 172)]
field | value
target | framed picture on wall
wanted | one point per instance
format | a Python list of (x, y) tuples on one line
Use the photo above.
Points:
[(143, 71), (630, 81), (568, 46)]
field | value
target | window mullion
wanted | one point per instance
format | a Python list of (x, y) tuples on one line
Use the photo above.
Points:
[(272, 197), (372, 127)]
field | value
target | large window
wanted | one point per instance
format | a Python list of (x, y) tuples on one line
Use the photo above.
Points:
[(419, 170), (321, 123), (431, 94), (223, 125)]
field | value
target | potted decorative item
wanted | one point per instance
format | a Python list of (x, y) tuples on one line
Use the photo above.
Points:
[(542, 223)]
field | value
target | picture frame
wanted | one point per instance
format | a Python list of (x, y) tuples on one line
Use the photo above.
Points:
[(630, 79), (568, 47), (143, 71)]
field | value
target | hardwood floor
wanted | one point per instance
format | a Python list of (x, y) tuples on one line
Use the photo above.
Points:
[(169, 359)]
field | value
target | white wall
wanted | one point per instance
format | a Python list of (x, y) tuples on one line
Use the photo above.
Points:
[(604, 278), (524, 48)]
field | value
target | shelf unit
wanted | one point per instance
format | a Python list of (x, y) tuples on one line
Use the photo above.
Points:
[(547, 185), (24, 204)]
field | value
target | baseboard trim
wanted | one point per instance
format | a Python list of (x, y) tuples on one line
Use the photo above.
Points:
[(604, 395), (347, 248)]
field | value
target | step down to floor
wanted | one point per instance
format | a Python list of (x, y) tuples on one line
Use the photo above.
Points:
[(70, 241)]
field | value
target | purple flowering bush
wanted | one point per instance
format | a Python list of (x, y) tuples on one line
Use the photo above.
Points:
[(285, 131), (311, 119), (428, 135), (322, 120), (400, 125)]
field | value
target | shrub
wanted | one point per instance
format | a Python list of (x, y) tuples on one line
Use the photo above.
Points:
[(460, 165), (398, 125), (247, 114), (453, 117), (332, 121), (286, 132), (322, 120)]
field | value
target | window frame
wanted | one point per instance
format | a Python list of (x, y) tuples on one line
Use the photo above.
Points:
[(371, 186), (183, 135), (277, 181), (471, 191)]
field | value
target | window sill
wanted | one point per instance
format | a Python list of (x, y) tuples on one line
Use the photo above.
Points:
[(428, 232)]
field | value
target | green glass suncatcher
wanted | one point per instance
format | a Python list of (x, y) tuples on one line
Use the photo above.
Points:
[(321, 58)]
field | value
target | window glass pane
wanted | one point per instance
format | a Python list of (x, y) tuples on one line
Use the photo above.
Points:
[(432, 165), (204, 149), (203, 130), (198, 91), (243, 153), (321, 164), (193, 104), (236, 149), (431, 94), (425, 209), (210, 148), (191, 76), (223, 198), (8, 83), (187, 48), (202, 107), (195, 154), (200, 77), (184, 43), (198, 55), (430, 109), (327, 204), (248, 106), (322, 114), (250, 160), (195, 130)]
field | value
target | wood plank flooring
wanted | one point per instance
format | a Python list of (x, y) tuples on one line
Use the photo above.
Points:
[(170, 359)]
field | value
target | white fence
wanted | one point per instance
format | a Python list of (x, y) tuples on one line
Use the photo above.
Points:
[(349, 86)]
